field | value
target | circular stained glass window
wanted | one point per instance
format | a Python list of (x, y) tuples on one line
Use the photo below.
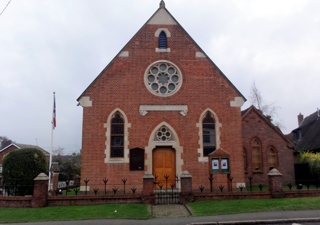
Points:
[(163, 78)]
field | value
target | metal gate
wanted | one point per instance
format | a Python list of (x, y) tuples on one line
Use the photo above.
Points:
[(167, 196), (165, 192)]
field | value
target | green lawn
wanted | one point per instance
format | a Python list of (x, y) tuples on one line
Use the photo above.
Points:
[(63, 213), (285, 188), (140, 211), (205, 208)]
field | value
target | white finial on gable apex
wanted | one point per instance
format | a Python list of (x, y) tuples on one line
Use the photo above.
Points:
[(162, 4)]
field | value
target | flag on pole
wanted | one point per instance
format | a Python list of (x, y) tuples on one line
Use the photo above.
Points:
[(54, 123)]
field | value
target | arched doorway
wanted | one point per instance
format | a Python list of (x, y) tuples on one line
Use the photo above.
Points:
[(171, 143), (164, 166)]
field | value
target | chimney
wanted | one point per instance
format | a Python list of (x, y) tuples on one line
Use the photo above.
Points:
[(300, 119)]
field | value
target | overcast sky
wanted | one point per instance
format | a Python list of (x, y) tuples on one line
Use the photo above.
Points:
[(62, 45)]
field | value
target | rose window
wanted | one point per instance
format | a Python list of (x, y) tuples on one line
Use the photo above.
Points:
[(163, 134), (163, 78)]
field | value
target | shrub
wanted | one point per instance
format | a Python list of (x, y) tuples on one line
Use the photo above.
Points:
[(20, 167), (313, 160)]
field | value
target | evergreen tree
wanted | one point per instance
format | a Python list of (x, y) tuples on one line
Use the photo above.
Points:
[(20, 167)]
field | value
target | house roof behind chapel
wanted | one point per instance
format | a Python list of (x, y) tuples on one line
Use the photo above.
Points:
[(18, 146), (307, 135)]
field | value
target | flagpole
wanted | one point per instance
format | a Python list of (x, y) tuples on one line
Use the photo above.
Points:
[(53, 124)]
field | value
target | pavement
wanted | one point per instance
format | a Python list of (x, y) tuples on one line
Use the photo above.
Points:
[(176, 215)]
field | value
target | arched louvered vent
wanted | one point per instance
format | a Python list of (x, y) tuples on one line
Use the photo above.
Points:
[(162, 40)]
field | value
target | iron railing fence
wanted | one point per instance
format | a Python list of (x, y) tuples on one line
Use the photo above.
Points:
[(220, 187), (104, 187), (306, 184), (16, 190), (227, 187)]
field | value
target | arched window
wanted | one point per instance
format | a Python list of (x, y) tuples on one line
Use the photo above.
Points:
[(256, 155), (208, 134), (272, 158), (117, 136), (162, 40)]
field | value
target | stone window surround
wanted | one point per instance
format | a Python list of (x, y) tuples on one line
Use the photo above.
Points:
[(164, 134), (107, 125), (218, 125), (178, 73), (275, 153), (157, 33), (260, 170)]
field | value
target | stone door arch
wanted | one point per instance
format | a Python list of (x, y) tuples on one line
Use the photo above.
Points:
[(162, 141)]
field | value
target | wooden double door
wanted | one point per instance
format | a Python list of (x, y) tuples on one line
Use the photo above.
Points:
[(164, 165)]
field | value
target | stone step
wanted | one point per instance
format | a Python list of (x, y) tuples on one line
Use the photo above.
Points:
[(174, 210)]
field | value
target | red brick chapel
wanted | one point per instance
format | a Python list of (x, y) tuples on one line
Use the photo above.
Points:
[(162, 107)]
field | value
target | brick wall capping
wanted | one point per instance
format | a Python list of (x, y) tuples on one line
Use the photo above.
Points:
[(42, 176), (148, 176), (274, 172), (185, 174)]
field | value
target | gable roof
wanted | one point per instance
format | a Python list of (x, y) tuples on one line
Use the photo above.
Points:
[(309, 132), (8, 146), (24, 146), (219, 152), (163, 17), (253, 109)]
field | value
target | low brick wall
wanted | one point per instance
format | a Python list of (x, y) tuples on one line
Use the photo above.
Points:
[(253, 195), (25, 202), (302, 193), (93, 200), (231, 195), (15, 201)]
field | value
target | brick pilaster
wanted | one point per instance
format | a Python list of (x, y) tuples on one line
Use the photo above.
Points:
[(148, 189), (275, 183), (40, 191)]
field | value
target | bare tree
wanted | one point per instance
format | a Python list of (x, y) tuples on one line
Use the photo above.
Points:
[(58, 151), (269, 110), (4, 142)]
